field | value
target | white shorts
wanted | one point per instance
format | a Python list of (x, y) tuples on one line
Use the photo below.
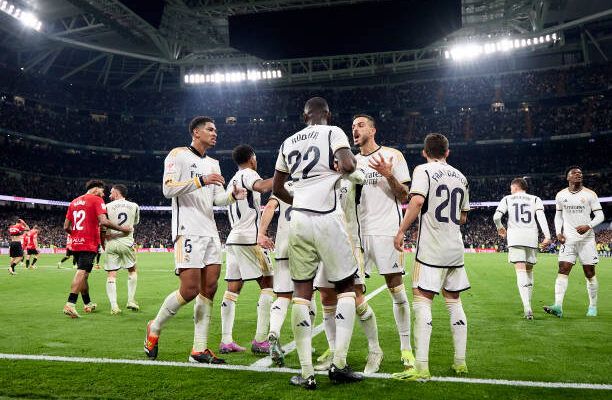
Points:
[(282, 277), (321, 280), (119, 255), (380, 251), (585, 250), (433, 279), (196, 251), (246, 263), (318, 238), (522, 254)]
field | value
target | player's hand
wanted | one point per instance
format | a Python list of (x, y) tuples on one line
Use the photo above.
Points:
[(561, 238), (214, 179), (265, 241), (126, 229), (239, 193), (502, 232), (398, 242), (582, 229), (382, 166), (544, 243)]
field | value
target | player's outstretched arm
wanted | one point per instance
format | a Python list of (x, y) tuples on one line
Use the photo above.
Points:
[(346, 160), (263, 185), (278, 186), (497, 219), (266, 217), (412, 212), (543, 223), (385, 168)]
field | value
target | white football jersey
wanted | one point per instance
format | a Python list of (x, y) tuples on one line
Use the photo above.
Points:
[(123, 212), (576, 210), (192, 202), (522, 223), (446, 195), (380, 213), (308, 156), (348, 202), (244, 214), (282, 226)]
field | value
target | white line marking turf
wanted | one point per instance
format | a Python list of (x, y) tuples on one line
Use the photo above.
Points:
[(290, 347), (250, 368)]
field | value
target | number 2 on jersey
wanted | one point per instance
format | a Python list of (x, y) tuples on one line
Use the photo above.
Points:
[(455, 197), (78, 217), (122, 218), (298, 157)]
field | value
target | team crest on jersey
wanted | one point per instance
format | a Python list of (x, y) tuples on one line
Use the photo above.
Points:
[(582, 200), (170, 167)]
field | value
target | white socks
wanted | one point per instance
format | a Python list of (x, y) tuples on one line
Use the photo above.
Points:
[(202, 311), (592, 287), (278, 313), (263, 314), (458, 323), (368, 322), (422, 331), (111, 292), (560, 288), (132, 281), (228, 312), (524, 282), (401, 312), (345, 320), (300, 321), (329, 324), (168, 309)]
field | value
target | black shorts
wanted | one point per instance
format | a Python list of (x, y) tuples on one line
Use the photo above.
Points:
[(69, 253), (32, 252), (84, 259), (15, 250)]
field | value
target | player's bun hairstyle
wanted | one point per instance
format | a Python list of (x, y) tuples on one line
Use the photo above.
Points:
[(436, 145), (197, 121), (94, 183), (567, 171), (121, 189), (366, 116), (520, 182), (242, 153)]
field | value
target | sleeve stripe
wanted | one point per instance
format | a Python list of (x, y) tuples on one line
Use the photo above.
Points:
[(196, 180), (281, 170), (418, 192)]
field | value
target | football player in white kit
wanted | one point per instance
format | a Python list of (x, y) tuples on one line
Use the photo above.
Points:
[(193, 181), (574, 228), (283, 285), (379, 204), (318, 233), (367, 318), (119, 248), (245, 259), (523, 210), (440, 200)]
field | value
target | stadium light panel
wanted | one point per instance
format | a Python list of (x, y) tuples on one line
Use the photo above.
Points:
[(25, 17), (471, 51), (232, 76)]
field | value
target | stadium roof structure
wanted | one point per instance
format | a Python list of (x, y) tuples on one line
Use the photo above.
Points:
[(120, 44)]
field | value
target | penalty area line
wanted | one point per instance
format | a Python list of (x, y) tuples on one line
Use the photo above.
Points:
[(250, 368)]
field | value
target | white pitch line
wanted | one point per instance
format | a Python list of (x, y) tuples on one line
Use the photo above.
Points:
[(290, 347), (250, 368)]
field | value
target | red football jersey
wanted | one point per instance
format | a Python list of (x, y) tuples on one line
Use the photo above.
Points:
[(83, 214), (25, 240), (31, 237), (69, 242), (17, 229)]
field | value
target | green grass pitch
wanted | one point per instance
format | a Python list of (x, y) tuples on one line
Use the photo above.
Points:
[(501, 344)]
